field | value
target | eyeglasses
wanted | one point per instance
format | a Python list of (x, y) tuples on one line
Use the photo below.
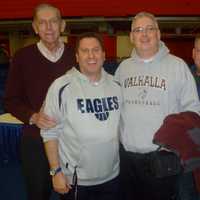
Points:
[(148, 29)]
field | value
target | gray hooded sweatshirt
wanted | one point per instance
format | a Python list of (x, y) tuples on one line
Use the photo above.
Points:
[(151, 91), (87, 116)]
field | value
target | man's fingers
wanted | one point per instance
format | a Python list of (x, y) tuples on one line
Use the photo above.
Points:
[(62, 190)]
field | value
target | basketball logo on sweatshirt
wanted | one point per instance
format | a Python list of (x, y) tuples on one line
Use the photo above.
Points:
[(100, 107)]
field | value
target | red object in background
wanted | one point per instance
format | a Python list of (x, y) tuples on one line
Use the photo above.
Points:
[(110, 46), (181, 47), (71, 40), (87, 8)]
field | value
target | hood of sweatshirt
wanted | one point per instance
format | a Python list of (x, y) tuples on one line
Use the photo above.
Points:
[(162, 52), (74, 72)]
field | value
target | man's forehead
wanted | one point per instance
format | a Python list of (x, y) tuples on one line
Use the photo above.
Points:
[(89, 41), (47, 12), (144, 21)]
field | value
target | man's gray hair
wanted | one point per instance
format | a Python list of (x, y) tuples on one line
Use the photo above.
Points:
[(45, 6), (144, 14)]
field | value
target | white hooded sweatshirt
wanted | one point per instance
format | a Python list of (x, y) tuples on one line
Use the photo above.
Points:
[(87, 115), (151, 91)]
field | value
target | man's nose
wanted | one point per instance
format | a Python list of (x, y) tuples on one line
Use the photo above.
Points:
[(90, 54), (144, 31), (49, 25)]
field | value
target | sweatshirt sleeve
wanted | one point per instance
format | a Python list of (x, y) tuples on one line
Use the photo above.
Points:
[(117, 75), (52, 109), (189, 96)]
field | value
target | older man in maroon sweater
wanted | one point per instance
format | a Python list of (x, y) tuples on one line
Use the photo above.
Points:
[(32, 70)]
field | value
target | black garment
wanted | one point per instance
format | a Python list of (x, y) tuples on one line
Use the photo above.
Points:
[(186, 187), (33, 159), (136, 181), (105, 191)]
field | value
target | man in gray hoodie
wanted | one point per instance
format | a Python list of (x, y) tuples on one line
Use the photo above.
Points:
[(154, 84), (83, 147)]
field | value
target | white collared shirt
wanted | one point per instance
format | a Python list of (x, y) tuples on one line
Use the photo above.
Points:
[(52, 56)]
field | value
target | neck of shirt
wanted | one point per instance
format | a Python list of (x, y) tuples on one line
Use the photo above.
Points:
[(52, 56)]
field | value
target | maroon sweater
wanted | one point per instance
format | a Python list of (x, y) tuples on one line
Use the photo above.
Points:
[(29, 78)]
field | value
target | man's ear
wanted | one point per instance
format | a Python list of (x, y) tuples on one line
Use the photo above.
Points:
[(34, 27), (77, 57), (63, 25), (193, 53), (131, 37), (159, 34)]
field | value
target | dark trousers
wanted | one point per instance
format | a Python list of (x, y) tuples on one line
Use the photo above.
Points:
[(35, 168), (137, 183), (186, 187), (105, 191)]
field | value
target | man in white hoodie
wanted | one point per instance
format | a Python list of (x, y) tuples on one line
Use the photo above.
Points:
[(83, 148), (154, 85)]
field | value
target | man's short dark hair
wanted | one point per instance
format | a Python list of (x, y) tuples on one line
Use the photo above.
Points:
[(94, 35)]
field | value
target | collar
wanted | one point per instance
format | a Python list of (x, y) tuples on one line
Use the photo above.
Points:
[(52, 56), (85, 78), (147, 60)]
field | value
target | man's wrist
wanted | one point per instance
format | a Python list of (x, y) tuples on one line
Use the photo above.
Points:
[(55, 171), (31, 120)]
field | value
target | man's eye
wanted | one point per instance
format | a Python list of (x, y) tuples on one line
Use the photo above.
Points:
[(41, 22), (138, 30), (96, 50), (84, 50), (150, 28), (55, 21)]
